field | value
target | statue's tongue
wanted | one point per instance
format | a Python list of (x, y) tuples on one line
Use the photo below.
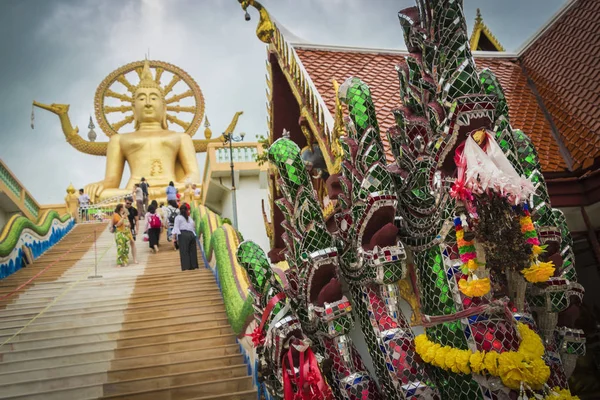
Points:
[(330, 293), (385, 236)]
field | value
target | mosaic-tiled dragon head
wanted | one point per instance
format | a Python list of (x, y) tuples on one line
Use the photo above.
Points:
[(368, 202), (312, 254), (447, 104), (281, 344), (313, 280)]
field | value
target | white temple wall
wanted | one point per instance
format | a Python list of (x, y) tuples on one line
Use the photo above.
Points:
[(250, 192)]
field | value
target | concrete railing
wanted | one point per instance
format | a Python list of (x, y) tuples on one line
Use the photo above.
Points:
[(18, 195), (217, 163), (240, 153)]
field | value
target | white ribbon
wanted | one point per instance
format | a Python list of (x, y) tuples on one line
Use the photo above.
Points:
[(490, 169)]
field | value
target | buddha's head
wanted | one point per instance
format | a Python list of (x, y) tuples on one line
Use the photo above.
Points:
[(148, 101)]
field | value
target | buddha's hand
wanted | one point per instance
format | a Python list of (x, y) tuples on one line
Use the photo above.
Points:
[(94, 190)]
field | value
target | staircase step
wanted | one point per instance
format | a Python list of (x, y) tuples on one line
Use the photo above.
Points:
[(169, 364), (245, 395), (105, 312), (110, 355), (75, 345), (84, 320), (130, 383), (123, 303), (217, 387), (175, 379), (140, 339), (157, 295)]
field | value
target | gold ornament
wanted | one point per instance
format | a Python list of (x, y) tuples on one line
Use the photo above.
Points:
[(265, 27), (207, 131)]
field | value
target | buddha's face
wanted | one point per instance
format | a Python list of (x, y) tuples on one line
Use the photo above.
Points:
[(148, 106)]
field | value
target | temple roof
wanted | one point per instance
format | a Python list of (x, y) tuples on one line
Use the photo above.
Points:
[(552, 85), (562, 62), (377, 70), (482, 37)]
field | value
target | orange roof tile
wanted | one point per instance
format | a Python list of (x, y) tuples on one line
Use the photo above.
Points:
[(377, 70), (563, 64)]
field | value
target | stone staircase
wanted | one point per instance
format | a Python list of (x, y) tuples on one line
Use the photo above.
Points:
[(146, 331)]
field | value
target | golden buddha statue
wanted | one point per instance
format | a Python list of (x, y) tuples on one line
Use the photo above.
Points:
[(152, 150)]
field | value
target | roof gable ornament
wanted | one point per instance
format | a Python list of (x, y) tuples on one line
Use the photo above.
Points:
[(265, 27), (482, 37)]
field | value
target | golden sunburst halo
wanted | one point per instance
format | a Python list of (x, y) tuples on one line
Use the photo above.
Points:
[(183, 97)]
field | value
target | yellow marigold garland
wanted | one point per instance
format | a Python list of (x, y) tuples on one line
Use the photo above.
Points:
[(561, 394), (472, 286), (513, 367), (539, 271)]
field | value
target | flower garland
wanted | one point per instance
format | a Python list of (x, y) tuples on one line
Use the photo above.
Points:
[(472, 286), (513, 367), (539, 271), (557, 393)]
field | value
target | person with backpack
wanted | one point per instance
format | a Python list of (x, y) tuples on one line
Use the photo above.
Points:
[(172, 212), (154, 226), (184, 234)]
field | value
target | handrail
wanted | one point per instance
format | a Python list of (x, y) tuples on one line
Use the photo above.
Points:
[(21, 238), (17, 224), (101, 211), (219, 245)]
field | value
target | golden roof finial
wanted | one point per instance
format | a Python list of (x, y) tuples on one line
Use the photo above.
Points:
[(147, 80), (71, 188), (265, 28), (481, 31)]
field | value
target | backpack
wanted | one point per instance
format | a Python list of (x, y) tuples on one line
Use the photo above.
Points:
[(172, 216), (155, 221)]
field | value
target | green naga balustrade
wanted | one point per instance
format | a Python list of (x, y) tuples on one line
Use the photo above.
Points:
[(219, 246), (21, 233)]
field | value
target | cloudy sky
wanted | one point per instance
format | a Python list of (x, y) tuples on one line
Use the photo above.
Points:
[(58, 51)]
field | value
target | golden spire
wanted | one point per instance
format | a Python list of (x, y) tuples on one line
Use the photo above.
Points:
[(482, 38), (71, 188), (147, 80), (207, 130)]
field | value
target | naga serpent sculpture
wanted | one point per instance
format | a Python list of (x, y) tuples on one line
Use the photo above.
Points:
[(463, 212)]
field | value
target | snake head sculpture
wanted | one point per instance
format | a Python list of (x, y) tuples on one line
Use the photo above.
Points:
[(367, 224), (313, 280), (373, 257), (312, 253), (281, 345)]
